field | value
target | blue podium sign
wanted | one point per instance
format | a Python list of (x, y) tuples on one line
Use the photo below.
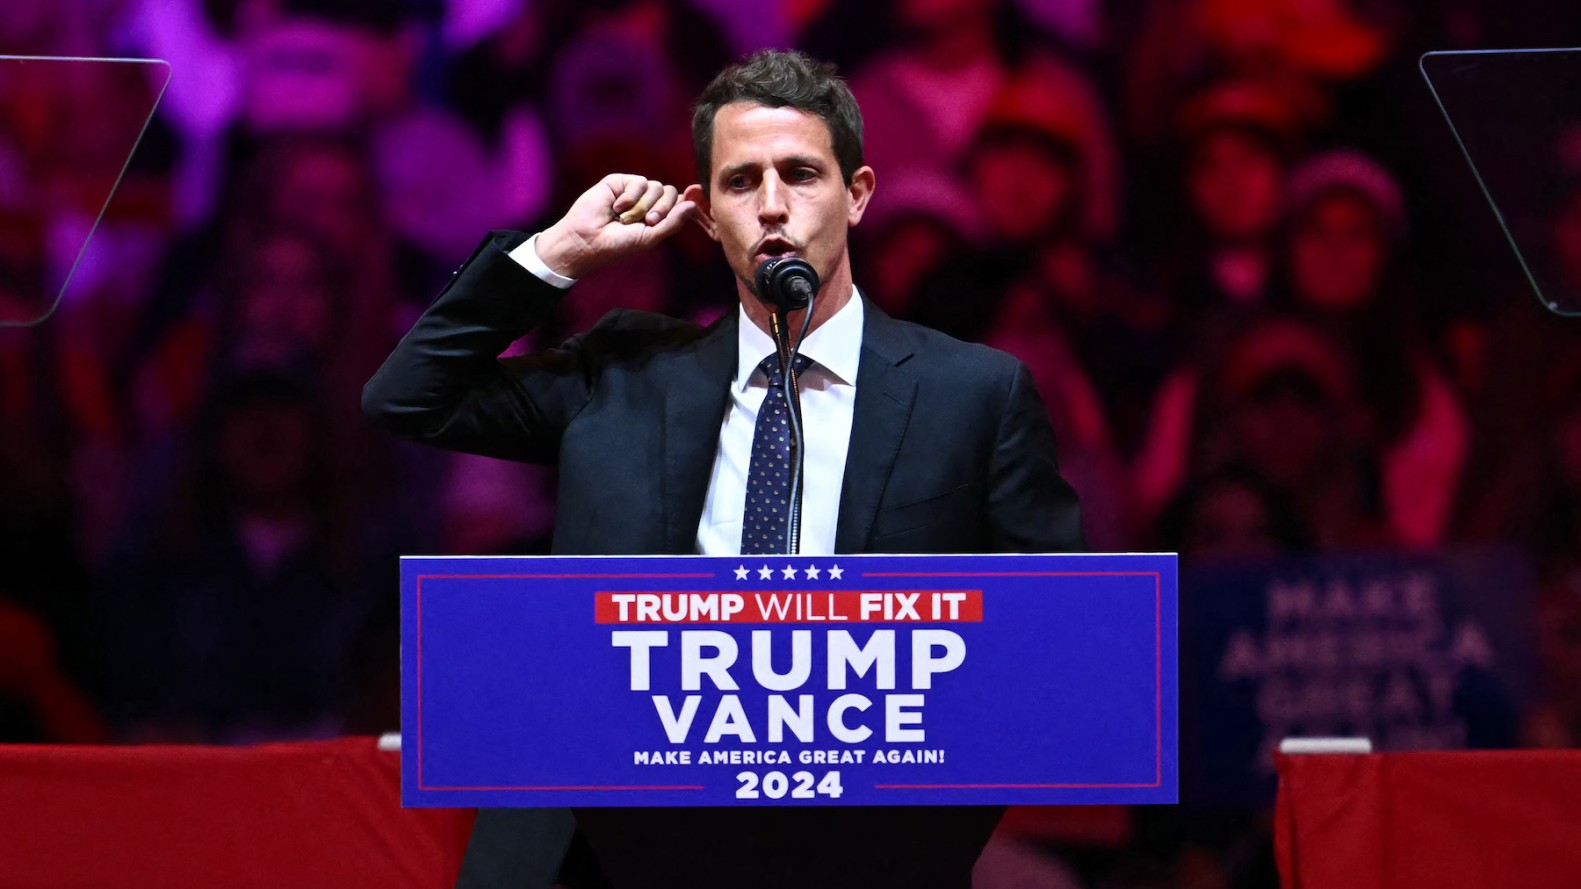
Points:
[(788, 681)]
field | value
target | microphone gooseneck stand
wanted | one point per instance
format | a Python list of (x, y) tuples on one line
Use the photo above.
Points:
[(790, 284), (788, 351)]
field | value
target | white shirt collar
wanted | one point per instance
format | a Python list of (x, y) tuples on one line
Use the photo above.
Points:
[(836, 345)]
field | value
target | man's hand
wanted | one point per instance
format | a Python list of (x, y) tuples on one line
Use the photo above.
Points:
[(619, 216)]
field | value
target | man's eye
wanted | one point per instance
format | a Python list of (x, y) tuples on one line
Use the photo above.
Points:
[(802, 174), (736, 182)]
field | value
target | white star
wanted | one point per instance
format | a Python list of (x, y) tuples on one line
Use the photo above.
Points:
[(835, 572), (766, 572), (790, 573), (812, 572), (741, 572)]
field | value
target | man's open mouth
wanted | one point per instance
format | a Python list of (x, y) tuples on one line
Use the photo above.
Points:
[(774, 248)]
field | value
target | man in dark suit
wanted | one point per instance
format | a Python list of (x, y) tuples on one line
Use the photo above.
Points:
[(916, 443)]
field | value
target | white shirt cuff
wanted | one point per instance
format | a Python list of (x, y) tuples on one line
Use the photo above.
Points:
[(527, 255)]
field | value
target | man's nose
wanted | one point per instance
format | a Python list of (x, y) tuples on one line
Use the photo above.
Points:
[(772, 206)]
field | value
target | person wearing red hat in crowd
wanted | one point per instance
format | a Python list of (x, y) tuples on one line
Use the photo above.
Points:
[(1045, 291), (926, 220), (1029, 177), (1303, 49), (1344, 239), (1340, 269), (1219, 270), (1283, 399), (929, 93)]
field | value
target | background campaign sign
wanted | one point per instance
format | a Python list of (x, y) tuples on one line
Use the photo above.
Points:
[(788, 680), (1416, 651)]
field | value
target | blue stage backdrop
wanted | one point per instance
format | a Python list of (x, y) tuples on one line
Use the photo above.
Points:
[(785, 681)]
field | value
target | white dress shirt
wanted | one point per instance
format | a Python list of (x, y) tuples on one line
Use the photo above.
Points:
[(828, 399), (828, 403)]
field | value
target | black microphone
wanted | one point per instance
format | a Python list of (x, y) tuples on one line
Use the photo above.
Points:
[(786, 283)]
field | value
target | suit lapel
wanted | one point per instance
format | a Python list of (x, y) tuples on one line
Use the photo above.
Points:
[(695, 394), (884, 397)]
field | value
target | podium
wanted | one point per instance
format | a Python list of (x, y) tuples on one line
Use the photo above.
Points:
[(791, 721), (1438, 819)]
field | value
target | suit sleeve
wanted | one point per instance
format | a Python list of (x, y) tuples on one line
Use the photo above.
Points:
[(445, 385), (1032, 509)]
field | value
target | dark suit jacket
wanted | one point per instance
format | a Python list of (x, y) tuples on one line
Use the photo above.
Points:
[(950, 452)]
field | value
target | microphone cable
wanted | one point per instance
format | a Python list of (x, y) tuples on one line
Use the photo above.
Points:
[(798, 438)]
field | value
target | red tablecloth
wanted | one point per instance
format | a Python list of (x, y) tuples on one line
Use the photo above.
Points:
[(279, 816), (1430, 820)]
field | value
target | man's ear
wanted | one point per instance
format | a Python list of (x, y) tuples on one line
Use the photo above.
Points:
[(859, 193), (704, 216)]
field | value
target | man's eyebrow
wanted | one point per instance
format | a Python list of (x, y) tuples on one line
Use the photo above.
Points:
[(795, 160)]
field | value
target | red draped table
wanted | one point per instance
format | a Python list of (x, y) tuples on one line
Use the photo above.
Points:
[(1430, 820), (307, 815)]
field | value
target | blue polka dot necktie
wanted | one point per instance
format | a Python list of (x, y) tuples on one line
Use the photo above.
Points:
[(765, 518)]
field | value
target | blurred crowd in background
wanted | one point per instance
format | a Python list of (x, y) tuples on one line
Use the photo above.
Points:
[(1233, 239)]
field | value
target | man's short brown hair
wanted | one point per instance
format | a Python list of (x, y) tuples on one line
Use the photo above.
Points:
[(781, 79)]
